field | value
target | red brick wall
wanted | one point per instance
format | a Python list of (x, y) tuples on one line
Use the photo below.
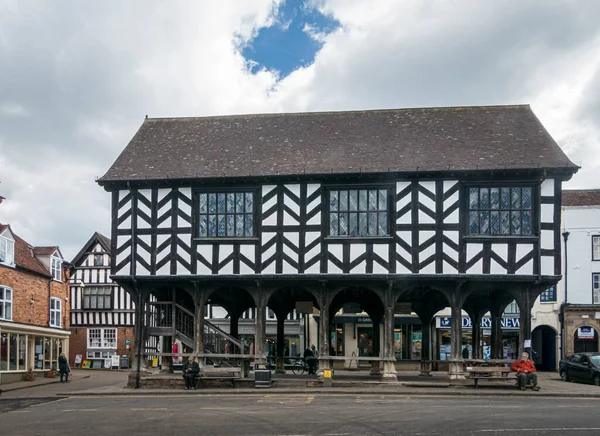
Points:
[(78, 342), (26, 287)]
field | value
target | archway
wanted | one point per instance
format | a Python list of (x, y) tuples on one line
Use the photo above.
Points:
[(543, 344), (585, 340)]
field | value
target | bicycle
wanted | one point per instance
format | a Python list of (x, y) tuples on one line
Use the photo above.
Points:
[(300, 367)]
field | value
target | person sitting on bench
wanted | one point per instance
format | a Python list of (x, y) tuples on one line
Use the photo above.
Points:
[(190, 370), (525, 370)]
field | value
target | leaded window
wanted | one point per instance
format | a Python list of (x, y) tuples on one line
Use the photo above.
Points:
[(501, 211), (358, 212), (226, 214), (596, 247), (97, 298), (549, 295)]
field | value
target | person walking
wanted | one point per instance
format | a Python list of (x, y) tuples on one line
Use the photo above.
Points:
[(63, 368)]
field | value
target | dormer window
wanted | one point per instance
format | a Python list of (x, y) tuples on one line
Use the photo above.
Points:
[(56, 269), (7, 248)]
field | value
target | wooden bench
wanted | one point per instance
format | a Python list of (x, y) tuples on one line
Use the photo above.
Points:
[(229, 374), (489, 373)]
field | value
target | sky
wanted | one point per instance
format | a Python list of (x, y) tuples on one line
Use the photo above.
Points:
[(77, 79)]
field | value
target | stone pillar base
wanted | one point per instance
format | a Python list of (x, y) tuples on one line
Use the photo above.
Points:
[(389, 372), (425, 368), (280, 367), (376, 368), (455, 370)]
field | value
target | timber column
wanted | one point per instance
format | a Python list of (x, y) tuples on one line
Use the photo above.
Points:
[(376, 348), (260, 355), (280, 367), (426, 310), (525, 301), (200, 303), (496, 312), (456, 297), (389, 360), (324, 304)]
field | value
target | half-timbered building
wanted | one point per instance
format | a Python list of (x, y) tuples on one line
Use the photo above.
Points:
[(437, 207), (102, 312)]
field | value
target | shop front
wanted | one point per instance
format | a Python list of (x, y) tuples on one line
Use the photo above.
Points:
[(510, 337), (25, 348)]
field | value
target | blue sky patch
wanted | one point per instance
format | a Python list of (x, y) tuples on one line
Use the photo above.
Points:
[(292, 41)]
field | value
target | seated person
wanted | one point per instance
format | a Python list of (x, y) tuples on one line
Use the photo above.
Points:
[(525, 372), (190, 370)]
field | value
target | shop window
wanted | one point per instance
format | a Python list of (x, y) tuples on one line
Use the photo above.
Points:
[(549, 295), (55, 312), (5, 303)]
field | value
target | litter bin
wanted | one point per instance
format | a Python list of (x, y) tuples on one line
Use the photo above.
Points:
[(124, 362), (262, 378)]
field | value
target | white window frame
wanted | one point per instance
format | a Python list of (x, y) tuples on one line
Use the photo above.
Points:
[(7, 257), (596, 247), (596, 288), (102, 338), (55, 312), (6, 302), (56, 268)]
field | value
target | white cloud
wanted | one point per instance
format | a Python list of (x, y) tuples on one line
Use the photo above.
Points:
[(78, 78)]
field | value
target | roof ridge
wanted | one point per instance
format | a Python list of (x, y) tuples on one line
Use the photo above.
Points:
[(336, 112)]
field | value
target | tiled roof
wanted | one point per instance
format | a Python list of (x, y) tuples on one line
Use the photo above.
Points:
[(581, 197), (375, 141), (44, 251), (96, 238), (24, 254)]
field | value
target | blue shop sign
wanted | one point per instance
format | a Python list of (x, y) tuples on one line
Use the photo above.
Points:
[(445, 322)]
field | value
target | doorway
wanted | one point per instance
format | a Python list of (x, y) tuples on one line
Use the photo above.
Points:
[(543, 341)]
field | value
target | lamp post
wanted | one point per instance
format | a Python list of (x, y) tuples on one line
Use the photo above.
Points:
[(565, 236)]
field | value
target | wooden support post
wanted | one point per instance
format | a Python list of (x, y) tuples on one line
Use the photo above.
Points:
[(389, 362), (376, 364), (280, 367), (260, 356), (200, 301)]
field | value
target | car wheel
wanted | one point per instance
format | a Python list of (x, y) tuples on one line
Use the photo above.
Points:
[(564, 376), (597, 380)]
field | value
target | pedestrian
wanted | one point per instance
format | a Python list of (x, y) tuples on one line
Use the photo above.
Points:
[(190, 370), (310, 360), (525, 372), (63, 368), (465, 352)]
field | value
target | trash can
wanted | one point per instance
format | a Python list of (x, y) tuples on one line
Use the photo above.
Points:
[(124, 362), (262, 378)]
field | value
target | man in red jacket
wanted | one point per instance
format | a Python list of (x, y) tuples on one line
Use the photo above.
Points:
[(525, 372)]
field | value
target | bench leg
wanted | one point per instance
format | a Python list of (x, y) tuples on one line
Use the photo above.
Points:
[(475, 382)]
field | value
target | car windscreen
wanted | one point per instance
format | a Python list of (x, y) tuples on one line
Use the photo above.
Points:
[(595, 360)]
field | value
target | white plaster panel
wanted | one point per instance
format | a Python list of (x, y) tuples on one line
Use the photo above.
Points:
[(143, 253), (501, 250), (186, 192), (288, 220), (401, 269), (269, 203), (547, 188), (181, 269), (288, 269), (361, 268), (165, 270), (526, 269), (313, 269), (379, 269), (449, 184), (452, 235), (400, 186), (473, 250), (312, 253), (122, 194), (224, 251), (166, 223), (311, 237), (311, 188), (248, 251), (227, 269), (315, 220), (313, 204), (336, 250), (424, 235), (356, 250), (405, 219), (146, 193), (271, 220), (427, 269), (268, 253), (425, 219), (523, 250), (450, 252), (126, 224), (202, 269), (496, 268), (406, 236), (382, 250), (448, 269), (547, 265), (332, 269), (403, 201), (547, 213), (547, 240), (269, 269), (425, 200), (159, 240), (245, 269), (429, 185), (452, 218), (477, 268), (267, 188), (287, 250)]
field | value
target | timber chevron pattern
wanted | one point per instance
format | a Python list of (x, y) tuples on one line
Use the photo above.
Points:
[(426, 235)]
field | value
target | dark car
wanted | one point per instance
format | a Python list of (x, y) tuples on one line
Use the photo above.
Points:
[(581, 367)]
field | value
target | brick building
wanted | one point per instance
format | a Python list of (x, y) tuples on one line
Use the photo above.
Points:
[(34, 314)]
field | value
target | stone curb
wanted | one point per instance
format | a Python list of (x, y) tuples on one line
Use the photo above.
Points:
[(18, 388)]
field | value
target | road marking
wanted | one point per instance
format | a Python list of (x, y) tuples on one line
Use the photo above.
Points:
[(80, 410), (148, 408), (536, 429)]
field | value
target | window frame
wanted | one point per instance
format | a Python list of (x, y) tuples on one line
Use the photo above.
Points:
[(535, 210), (98, 256), (102, 338), (390, 218), (88, 289), (596, 290), (55, 313), (256, 201), (542, 300), (4, 302), (595, 238), (8, 242), (56, 268)]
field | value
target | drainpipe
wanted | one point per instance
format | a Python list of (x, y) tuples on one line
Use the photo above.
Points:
[(566, 299)]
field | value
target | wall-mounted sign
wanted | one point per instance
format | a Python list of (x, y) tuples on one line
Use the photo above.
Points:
[(403, 308), (585, 333), (445, 322), (127, 342), (304, 306)]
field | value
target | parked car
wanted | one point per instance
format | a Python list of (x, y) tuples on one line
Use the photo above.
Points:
[(581, 367)]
